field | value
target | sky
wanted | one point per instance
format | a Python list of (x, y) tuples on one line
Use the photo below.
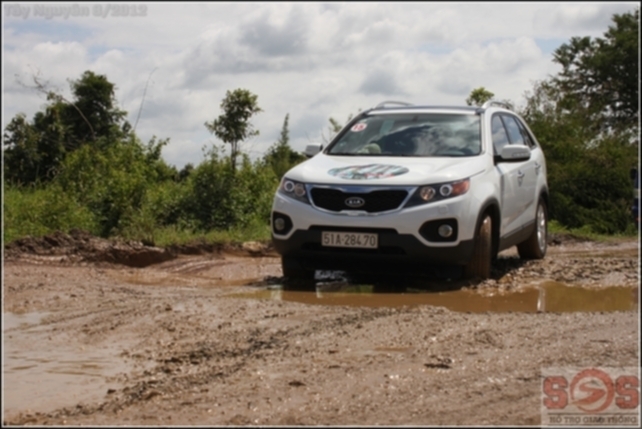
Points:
[(172, 63)]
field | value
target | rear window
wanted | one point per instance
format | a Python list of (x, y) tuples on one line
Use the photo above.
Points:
[(407, 134)]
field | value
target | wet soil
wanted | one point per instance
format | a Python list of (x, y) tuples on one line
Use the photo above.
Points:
[(96, 334)]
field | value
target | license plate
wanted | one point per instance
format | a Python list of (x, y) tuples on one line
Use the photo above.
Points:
[(357, 240)]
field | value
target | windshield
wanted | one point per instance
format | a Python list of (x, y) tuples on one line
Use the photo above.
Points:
[(408, 134)]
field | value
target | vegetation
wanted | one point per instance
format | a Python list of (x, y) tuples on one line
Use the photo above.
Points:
[(587, 123), (280, 157), (586, 233), (36, 149), (78, 163), (233, 126), (479, 96)]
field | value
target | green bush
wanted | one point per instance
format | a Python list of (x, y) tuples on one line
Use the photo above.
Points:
[(588, 172), (111, 182), (222, 199), (593, 189), (41, 211), (162, 205)]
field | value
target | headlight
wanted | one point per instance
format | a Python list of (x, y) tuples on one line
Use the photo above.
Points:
[(438, 191), (294, 189)]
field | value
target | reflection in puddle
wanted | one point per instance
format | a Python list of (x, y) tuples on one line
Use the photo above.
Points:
[(39, 376), (548, 297)]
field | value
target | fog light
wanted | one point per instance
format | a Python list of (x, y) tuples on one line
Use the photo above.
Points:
[(445, 230), (279, 224)]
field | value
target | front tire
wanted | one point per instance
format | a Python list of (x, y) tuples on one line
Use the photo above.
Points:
[(535, 246), (296, 277), (480, 263)]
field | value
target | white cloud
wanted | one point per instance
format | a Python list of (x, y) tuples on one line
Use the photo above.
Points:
[(311, 60)]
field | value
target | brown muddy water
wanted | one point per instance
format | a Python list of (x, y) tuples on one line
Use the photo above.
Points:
[(48, 378), (549, 296), (36, 375)]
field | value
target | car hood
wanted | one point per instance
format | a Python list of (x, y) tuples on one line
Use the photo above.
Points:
[(379, 170)]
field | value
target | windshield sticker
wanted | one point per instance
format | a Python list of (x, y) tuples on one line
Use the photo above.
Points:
[(358, 127), (368, 172)]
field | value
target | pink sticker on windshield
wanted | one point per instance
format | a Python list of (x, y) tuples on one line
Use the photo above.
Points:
[(358, 127)]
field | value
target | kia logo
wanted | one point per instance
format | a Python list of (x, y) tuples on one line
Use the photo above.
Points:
[(355, 202)]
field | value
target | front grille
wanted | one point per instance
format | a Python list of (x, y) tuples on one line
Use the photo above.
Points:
[(375, 201)]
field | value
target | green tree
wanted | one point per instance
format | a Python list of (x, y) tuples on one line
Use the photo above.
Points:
[(93, 113), (185, 172), (587, 172), (22, 155), (280, 156), (585, 131), (35, 150), (233, 126), (479, 96), (602, 76)]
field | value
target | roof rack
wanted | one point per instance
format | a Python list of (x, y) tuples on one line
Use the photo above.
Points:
[(496, 103), (398, 103)]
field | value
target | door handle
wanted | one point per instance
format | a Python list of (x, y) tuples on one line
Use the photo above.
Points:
[(520, 177)]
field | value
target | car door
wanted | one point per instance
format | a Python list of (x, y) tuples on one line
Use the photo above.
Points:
[(539, 162), (511, 176), (527, 174)]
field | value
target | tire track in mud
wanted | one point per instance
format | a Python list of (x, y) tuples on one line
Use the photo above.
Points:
[(214, 360), (198, 349)]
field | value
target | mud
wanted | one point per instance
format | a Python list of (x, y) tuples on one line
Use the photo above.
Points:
[(207, 336), (81, 247), (546, 297)]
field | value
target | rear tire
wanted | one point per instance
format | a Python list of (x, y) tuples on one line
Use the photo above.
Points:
[(535, 246), (296, 277), (479, 265)]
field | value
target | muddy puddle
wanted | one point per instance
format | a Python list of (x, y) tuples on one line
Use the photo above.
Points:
[(38, 376), (551, 297)]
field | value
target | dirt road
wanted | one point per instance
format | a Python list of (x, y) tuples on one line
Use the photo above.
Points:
[(211, 339)]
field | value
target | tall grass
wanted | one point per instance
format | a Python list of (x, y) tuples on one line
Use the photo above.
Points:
[(41, 211), (554, 227), (255, 231)]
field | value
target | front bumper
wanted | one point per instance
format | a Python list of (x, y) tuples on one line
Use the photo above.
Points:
[(400, 242), (394, 250)]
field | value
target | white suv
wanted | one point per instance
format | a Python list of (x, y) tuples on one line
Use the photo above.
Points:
[(416, 185)]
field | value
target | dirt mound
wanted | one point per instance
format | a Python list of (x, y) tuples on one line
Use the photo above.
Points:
[(81, 246), (200, 247)]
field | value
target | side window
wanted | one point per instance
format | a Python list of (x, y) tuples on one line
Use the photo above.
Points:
[(500, 138), (527, 137), (514, 133)]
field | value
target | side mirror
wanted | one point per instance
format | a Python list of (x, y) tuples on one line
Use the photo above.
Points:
[(514, 153), (312, 149)]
